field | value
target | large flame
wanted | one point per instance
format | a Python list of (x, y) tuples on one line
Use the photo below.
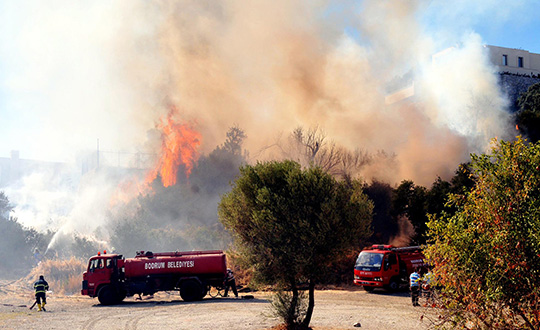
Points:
[(178, 149)]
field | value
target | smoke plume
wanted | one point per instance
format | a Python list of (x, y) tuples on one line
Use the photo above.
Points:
[(375, 75), (273, 66)]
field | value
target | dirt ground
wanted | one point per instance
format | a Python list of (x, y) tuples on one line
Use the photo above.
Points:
[(334, 309)]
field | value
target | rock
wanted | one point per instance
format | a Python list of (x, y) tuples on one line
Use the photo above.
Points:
[(357, 325)]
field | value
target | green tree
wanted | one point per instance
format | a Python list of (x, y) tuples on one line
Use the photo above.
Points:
[(289, 224), (235, 139), (383, 224), (486, 256), (528, 116), (437, 196), (18, 242), (5, 206), (463, 180), (410, 200)]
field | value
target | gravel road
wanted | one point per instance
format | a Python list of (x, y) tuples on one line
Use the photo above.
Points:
[(334, 309)]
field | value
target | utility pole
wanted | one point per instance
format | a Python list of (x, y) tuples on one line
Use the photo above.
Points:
[(97, 154)]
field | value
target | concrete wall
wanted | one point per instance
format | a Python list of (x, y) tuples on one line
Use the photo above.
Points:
[(513, 85)]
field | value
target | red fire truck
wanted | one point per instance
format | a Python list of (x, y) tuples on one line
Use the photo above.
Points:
[(111, 278), (387, 267)]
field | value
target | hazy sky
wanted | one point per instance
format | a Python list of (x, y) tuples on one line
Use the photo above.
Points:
[(62, 74)]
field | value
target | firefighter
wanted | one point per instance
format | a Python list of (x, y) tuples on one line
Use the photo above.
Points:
[(230, 282), (41, 287), (414, 280), (37, 256)]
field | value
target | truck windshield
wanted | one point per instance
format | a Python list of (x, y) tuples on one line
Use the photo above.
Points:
[(369, 261), (99, 263)]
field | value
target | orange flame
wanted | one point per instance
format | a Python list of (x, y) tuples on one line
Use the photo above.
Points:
[(178, 148)]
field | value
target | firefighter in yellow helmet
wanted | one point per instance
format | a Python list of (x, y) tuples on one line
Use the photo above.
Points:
[(41, 286)]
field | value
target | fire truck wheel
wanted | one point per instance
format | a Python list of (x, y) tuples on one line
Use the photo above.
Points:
[(204, 291), (369, 288), (121, 296), (394, 284), (190, 290), (107, 295)]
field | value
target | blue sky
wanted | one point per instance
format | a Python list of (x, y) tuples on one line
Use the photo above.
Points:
[(521, 35), (521, 30), (512, 24)]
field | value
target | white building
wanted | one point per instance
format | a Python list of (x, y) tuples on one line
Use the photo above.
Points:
[(518, 70), (517, 61)]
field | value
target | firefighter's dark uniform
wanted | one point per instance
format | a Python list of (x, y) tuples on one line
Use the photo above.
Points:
[(230, 282), (41, 287)]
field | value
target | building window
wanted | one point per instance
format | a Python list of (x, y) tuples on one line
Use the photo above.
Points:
[(505, 59), (520, 62)]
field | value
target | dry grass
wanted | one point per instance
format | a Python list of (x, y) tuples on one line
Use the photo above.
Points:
[(242, 274), (63, 276)]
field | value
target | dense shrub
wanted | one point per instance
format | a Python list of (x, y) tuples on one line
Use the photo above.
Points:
[(486, 256)]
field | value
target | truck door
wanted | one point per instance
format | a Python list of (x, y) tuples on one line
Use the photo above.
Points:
[(99, 272), (391, 265)]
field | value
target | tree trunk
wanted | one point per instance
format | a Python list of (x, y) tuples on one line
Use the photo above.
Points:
[(311, 304), (291, 315)]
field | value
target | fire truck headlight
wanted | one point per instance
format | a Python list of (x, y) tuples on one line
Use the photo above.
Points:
[(377, 279), (356, 277)]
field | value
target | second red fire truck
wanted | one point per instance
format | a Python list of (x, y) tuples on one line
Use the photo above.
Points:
[(386, 266)]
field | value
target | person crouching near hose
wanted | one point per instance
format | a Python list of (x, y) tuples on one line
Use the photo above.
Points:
[(230, 282)]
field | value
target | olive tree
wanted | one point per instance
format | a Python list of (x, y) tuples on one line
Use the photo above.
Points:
[(486, 256), (289, 223)]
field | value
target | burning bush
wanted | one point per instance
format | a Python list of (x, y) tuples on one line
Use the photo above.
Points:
[(180, 215)]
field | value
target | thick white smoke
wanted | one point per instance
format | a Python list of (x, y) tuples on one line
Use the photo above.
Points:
[(81, 71)]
